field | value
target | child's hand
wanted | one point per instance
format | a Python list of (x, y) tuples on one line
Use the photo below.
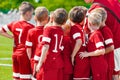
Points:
[(34, 73), (83, 55), (72, 60), (38, 67)]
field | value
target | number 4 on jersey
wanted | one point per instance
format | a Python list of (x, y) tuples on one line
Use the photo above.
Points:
[(56, 43)]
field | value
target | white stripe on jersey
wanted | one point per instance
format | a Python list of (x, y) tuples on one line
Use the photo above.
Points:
[(37, 58), (99, 44), (25, 76), (108, 41), (6, 28), (28, 43), (76, 35), (16, 74), (46, 39)]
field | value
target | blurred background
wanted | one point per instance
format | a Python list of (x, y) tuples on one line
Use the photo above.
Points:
[(9, 8)]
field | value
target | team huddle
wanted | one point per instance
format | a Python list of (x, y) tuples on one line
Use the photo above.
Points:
[(62, 46)]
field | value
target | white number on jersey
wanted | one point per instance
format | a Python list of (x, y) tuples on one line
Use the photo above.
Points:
[(20, 34), (56, 43), (40, 38)]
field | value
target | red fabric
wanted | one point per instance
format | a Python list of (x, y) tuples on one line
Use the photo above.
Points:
[(35, 37), (107, 34), (83, 70), (76, 29), (19, 30), (54, 56), (19, 63), (98, 63), (112, 4), (55, 74), (68, 69)]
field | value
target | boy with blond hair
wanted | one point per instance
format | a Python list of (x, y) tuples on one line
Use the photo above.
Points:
[(95, 47), (108, 42), (19, 29), (34, 36)]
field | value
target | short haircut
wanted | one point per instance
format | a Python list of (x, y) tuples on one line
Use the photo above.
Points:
[(41, 13), (101, 11), (95, 18), (24, 7), (77, 14), (60, 16)]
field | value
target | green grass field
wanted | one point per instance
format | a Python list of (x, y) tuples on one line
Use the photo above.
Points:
[(5, 52)]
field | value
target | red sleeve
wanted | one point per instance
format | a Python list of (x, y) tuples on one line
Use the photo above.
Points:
[(99, 41), (30, 37), (108, 37), (76, 33), (46, 36), (7, 27)]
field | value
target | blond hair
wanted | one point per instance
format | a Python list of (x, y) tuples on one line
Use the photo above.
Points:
[(95, 19), (102, 12), (41, 13)]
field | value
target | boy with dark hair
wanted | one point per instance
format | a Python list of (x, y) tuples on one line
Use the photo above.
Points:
[(81, 66), (51, 57)]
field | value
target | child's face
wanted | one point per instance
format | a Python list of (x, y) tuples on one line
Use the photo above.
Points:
[(29, 15), (92, 27)]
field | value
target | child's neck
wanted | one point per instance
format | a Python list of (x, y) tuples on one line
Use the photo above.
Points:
[(22, 18), (55, 24), (39, 23)]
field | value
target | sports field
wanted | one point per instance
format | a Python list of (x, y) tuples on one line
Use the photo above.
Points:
[(5, 58)]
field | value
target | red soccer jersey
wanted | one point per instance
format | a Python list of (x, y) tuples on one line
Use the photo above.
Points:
[(68, 69), (98, 63), (33, 38), (108, 41), (53, 36), (19, 30), (76, 32)]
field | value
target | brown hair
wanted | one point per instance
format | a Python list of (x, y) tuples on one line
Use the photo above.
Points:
[(41, 13), (60, 16), (24, 7), (101, 11), (77, 14)]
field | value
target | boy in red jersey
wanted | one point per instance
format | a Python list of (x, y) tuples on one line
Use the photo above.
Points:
[(81, 66), (68, 68), (21, 70), (51, 57), (34, 36), (95, 47), (108, 42)]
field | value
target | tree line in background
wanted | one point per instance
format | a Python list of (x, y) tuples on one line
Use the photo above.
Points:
[(6, 5)]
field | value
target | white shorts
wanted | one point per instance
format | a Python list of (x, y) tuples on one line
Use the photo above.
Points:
[(117, 59)]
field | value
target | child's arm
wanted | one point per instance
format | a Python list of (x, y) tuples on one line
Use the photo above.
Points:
[(98, 52), (34, 70), (43, 56), (109, 49), (29, 52), (5, 34), (76, 49)]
